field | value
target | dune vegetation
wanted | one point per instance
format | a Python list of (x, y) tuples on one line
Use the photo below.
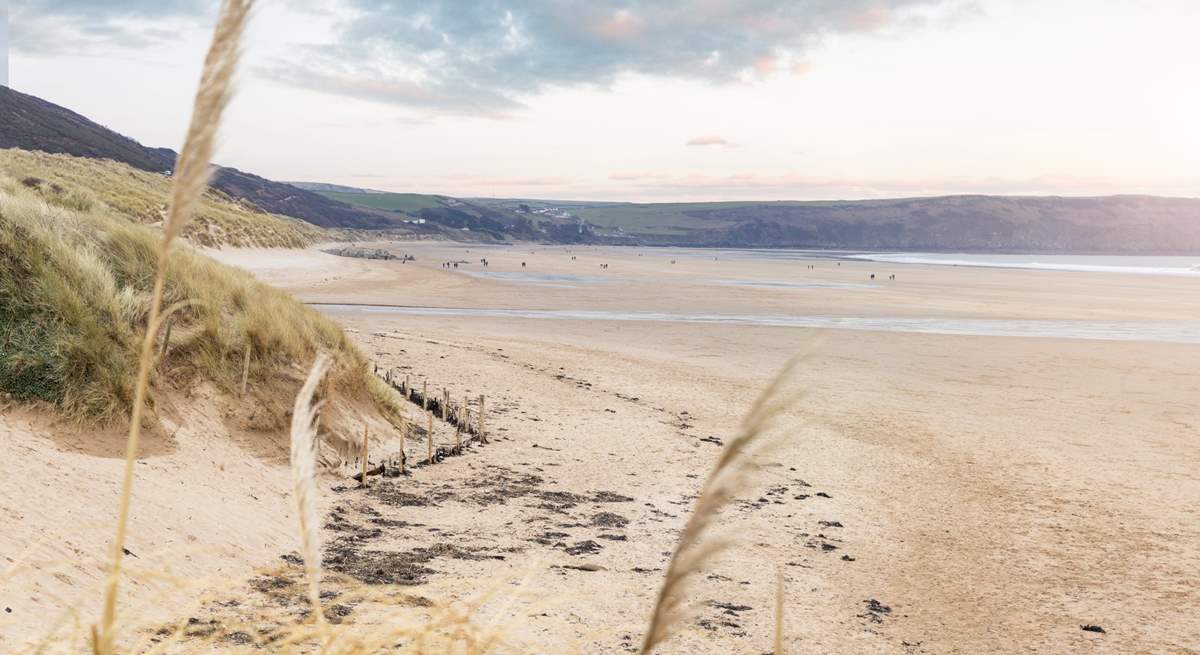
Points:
[(141, 197), (75, 285)]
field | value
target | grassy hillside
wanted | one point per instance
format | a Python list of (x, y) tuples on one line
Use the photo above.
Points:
[(141, 197), (1130, 224), (31, 123), (75, 281), (409, 203)]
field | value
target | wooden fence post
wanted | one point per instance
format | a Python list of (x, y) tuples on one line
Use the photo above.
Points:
[(482, 436), (365, 446), (425, 395), (162, 352), (445, 402), (429, 435), (403, 455)]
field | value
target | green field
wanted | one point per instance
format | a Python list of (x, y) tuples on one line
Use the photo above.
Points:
[(402, 202)]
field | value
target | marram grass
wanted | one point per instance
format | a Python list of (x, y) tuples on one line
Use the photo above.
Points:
[(75, 292), (141, 197)]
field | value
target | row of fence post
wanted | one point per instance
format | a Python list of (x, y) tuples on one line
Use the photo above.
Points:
[(460, 418)]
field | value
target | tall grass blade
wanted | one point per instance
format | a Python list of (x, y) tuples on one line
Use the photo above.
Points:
[(727, 479), (304, 484), (190, 178)]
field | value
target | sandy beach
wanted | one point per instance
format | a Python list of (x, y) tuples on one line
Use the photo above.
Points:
[(936, 493)]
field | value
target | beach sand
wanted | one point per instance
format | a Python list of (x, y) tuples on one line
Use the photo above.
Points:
[(995, 493), (933, 493)]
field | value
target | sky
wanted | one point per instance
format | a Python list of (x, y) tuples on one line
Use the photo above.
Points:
[(655, 100)]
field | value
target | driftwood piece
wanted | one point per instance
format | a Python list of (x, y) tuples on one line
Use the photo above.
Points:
[(378, 470)]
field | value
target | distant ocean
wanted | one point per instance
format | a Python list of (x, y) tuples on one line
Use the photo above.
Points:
[(1131, 264)]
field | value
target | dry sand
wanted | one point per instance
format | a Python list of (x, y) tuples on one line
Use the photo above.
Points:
[(992, 493), (995, 493)]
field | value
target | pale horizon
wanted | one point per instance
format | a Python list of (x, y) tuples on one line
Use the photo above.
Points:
[(610, 101)]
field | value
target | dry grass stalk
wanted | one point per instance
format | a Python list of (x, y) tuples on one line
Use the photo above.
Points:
[(245, 370), (727, 479), (304, 484), (190, 178)]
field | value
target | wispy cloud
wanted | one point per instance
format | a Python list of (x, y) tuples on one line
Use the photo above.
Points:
[(86, 26), (709, 140)]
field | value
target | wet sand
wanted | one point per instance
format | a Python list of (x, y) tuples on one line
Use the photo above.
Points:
[(936, 493)]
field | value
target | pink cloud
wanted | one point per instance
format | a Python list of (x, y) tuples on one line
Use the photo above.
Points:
[(766, 65), (870, 19), (622, 25), (802, 68), (709, 140)]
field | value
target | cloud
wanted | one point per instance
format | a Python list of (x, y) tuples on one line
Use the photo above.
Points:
[(709, 140), (86, 26), (487, 57)]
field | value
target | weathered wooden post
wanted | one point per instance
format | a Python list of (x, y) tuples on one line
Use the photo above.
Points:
[(162, 352), (445, 402), (458, 435), (482, 436), (407, 393), (425, 395), (429, 435), (365, 446), (403, 455)]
